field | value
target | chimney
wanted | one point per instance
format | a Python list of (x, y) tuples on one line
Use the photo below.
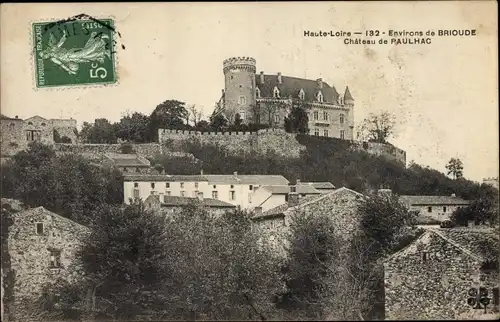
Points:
[(279, 78), (293, 197), (320, 82), (262, 77), (199, 195), (257, 210), (235, 173)]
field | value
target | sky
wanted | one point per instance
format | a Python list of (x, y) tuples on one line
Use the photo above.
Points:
[(444, 95)]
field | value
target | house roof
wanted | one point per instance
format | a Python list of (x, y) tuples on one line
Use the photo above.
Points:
[(281, 209), (285, 189), (482, 243), (347, 94), (291, 86), (128, 160), (433, 200), (247, 179), (319, 185), (163, 177), (184, 201), (3, 117), (42, 210)]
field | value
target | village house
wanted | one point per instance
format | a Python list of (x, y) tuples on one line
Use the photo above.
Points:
[(433, 209), (341, 204), (234, 189), (443, 275), (38, 249), (127, 163), (172, 204), (321, 186)]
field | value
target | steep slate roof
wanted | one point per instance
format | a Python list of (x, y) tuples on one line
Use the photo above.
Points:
[(284, 189), (246, 179), (291, 86), (281, 209), (433, 200), (184, 201), (319, 185), (127, 160), (347, 94)]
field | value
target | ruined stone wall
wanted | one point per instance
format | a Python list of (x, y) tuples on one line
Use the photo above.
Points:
[(430, 280), (380, 149), (146, 149), (30, 255)]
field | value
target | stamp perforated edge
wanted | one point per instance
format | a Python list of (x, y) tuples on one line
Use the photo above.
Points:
[(77, 86)]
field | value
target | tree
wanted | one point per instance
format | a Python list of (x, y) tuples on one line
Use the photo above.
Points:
[(455, 168), (255, 110), (482, 210), (237, 120), (218, 123), (298, 119), (378, 127), (218, 270), (76, 187), (134, 128), (170, 114), (124, 260), (101, 131), (195, 114)]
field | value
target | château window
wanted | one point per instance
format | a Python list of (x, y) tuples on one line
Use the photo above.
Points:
[(250, 187), (444, 209), (342, 134), (325, 116), (325, 132), (55, 259), (302, 94), (276, 92), (316, 115), (215, 195), (196, 185), (167, 184), (257, 92), (320, 97), (215, 186), (316, 132), (341, 118), (182, 184), (242, 100), (152, 185), (429, 209), (232, 186), (39, 228), (136, 184), (276, 118)]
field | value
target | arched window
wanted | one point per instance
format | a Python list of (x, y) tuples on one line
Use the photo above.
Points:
[(43, 124), (276, 92), (302, 94), (257, 92), (341, 118), (320, 97), (242, 100), (29, 123)]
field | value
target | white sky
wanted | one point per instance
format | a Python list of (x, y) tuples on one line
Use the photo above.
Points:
[(444, 95)]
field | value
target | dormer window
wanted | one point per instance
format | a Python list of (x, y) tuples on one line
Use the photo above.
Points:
[(257, 92), (302, 94), (276, 92), (320, 97)]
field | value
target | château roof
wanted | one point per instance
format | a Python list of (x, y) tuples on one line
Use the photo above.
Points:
[(347, 94), (291, 86)]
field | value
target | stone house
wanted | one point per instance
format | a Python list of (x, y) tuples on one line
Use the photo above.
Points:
[(127, 163), (38, 249), (432, 277), (434, 208), (268, 197), (341, 204), (171, 204), (323, 187)]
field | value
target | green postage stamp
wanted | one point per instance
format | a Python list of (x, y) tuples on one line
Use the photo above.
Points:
[(74, 52)]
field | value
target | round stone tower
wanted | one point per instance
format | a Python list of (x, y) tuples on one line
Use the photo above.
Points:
[(239, 76)]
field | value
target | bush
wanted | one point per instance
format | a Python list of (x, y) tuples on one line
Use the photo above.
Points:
[(127, 148)]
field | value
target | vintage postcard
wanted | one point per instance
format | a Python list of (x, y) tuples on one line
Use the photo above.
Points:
[(249, 161)]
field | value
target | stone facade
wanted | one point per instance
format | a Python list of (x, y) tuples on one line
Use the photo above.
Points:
[(146, 149), (388, 151), (430, 278), (41, 246), (16, 133)]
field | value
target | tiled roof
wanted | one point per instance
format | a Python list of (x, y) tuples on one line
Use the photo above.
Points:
[(247, 179), (284, 189), (319, 185), (479, 241), (3, 117), (291, 86), (184, 201), (433, 200), (281, 209), (163, 177)]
